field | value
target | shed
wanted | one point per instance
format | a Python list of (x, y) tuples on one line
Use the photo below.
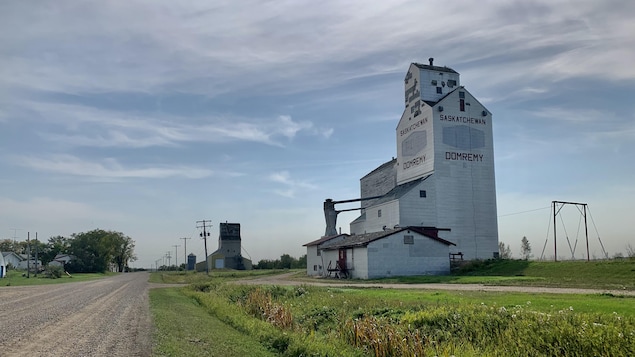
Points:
[(12, 259), (391, 252), (3, 267)]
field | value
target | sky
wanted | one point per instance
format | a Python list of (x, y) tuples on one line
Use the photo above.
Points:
[(144, 117)]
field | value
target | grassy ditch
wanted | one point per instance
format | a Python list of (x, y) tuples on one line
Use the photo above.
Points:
[(192, 277), (184, 328), (18, 278), (311, 321)]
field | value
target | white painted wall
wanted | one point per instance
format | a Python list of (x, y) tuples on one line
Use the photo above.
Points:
[(465, 187), (313, 260), (391, 257)]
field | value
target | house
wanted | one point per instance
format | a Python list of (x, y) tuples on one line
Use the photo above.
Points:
[(391, 252), (29, 263), (60, 260), (11, 259)]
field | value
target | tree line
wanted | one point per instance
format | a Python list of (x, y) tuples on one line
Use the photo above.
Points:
[(94, 251), (285, 262)]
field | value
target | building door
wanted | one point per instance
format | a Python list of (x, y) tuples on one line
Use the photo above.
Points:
[(341, 261)]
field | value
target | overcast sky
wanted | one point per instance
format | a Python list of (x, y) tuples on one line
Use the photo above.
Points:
[(146, 116)]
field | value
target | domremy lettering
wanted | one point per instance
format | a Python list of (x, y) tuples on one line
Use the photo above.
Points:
[(414, 162), (466, 120), (463, 156)]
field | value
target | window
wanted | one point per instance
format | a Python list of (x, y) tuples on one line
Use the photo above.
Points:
[(451, 83), (462, 105), (439, 90), (462, 95), (315, 268), (319, 253), (378, 213), (422, 193), (408, 239), (434, 82)]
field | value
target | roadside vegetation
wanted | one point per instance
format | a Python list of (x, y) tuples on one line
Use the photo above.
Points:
[(349, 321), (18, 278), (182, 329)]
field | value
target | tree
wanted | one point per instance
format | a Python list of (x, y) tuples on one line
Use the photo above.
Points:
[(8, 245), (56, 245), (95, 250), (525, 248), (504, 250)]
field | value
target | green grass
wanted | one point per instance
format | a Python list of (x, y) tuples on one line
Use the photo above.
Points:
[(316, 320), (606, 275), (184, 328), (192, 277), (15, 278)]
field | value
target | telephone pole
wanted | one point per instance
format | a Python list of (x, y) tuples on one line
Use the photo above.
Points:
[(167, 255), (185, 249), (176, 254), (205, 224), (28, 255), (36, 254)]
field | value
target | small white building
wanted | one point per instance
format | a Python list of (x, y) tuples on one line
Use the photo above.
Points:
[(30, 263), (60, 260), (391, 252), (3, 267), (12, 259), (314, 261)]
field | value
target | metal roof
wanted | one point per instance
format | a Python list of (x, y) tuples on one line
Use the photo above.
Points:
[(435, 68), (361, 240)]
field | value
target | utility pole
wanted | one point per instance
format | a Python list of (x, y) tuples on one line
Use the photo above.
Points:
[(176, 259), (205, 224), (185, 249), (167, 255), (157, 263), (36, 254), (28, 254)]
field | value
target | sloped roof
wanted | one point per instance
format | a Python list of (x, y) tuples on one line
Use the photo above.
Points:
[(400, 190), (361, 240), (381, 167), (361, 218), (323, 239), (435, 68)]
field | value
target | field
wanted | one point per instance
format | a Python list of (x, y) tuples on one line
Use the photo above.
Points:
[(346, 321), (18, 278)]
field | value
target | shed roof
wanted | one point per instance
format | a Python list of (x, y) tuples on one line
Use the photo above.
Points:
[(323, 239), (362, 240)]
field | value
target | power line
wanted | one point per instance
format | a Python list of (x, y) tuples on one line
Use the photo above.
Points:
[(515, 213)]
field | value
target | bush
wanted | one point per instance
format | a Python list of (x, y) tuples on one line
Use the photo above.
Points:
[(53, 271)]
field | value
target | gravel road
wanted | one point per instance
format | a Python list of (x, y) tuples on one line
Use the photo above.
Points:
[(105, 317)]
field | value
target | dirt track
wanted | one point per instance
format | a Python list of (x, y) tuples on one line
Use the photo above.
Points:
[(286, 279), (106, 317)]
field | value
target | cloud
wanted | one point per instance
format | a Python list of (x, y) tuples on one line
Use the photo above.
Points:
[(79, 125), (291, 186), (52, 215), (108, 168), (202, 47)]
